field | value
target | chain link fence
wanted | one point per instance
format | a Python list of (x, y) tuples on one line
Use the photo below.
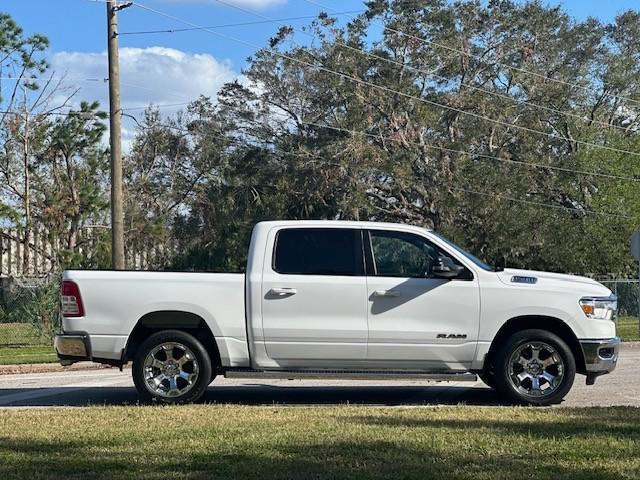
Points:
[(28, 311), (628, 292)]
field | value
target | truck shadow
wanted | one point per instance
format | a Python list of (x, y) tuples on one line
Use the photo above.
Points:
[(262, 394)]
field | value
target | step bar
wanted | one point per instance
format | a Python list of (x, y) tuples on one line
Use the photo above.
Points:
[(351, 375)]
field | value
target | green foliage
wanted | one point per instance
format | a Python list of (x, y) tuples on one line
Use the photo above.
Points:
[(53, 168), (299, 142), (72, 183), (522, 148), (21, 56)]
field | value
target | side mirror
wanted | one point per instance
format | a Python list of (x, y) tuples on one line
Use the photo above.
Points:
[(446, 268)]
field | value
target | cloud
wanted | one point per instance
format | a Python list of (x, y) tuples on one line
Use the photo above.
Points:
[(158, 75)]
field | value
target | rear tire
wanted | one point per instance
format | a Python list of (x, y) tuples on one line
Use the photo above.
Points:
[(171, 366), (534, 367)]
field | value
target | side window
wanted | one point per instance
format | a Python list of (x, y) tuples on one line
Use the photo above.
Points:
[(399, 254), (318, 251)]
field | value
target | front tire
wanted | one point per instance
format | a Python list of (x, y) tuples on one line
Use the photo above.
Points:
[(534, 367), (171, 366)]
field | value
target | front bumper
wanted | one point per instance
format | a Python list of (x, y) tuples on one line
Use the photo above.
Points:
[(600, 356), (72, 347)]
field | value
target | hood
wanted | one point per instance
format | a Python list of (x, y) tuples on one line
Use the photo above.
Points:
[(549, 280)]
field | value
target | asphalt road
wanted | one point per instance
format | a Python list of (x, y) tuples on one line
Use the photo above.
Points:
[(110, 387)]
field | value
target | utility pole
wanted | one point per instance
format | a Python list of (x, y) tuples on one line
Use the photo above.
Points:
[(115, 120)]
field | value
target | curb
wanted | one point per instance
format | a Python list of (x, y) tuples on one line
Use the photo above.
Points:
[(49, 368)]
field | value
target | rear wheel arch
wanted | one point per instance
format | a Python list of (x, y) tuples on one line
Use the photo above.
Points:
[(187, 322), (539, 322)]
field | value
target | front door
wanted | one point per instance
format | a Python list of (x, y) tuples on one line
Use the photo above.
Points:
[(416, 320), (314, 311)]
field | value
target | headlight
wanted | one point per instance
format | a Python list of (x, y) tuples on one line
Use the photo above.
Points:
[(600, 308)]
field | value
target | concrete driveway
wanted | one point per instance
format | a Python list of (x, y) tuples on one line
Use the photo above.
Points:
[(110, 387)]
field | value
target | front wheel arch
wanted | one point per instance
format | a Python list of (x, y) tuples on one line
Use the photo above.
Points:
[(538, 322)]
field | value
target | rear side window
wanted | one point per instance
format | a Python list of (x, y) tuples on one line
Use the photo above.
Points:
[(318, 251)]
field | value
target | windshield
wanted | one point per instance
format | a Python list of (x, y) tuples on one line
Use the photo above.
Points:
[(470, 256)]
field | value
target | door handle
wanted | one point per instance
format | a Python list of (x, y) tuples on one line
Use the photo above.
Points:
[(283, 291), (386, 293)]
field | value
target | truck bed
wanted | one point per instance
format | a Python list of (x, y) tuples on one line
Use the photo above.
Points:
[(116, 300)]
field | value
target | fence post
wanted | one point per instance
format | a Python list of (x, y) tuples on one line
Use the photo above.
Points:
[(1, 252), (9, 258), (638, 297), (36, 255), (18, 255)]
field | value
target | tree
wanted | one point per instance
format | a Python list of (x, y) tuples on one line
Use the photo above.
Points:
[(27, 108), (510, 127), (72, 172), (486, 146)]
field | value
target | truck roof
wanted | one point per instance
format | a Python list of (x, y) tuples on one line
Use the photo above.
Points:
[(336, 223)]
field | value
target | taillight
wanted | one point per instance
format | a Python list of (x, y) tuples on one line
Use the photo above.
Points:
[(70, 300)]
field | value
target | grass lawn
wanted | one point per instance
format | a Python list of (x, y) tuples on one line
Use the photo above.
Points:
[(19, 355), (24, 343), (628, 329), (22, 334), (225, 442)]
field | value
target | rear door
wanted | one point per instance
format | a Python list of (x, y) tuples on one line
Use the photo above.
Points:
[(314, 308)]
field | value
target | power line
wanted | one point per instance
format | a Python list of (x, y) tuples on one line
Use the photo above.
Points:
[(477, 155), (105, 80), (75, 79), (80, 113), (370, 135), (143, 87), (240, 24), (435, 75), (231, 140), (475, 192), (362, 81), (479, 58), (471, 155), (159, 105), (364, 133), (542, 204), (62, 114), (390, 90)]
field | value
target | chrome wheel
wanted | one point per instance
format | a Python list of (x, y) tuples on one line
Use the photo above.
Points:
[(536, 369), (170, 370)]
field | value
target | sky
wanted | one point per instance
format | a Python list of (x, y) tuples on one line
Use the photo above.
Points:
[(170, 68)]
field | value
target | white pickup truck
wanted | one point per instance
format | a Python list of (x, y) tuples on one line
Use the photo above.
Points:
[(336, 299)]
